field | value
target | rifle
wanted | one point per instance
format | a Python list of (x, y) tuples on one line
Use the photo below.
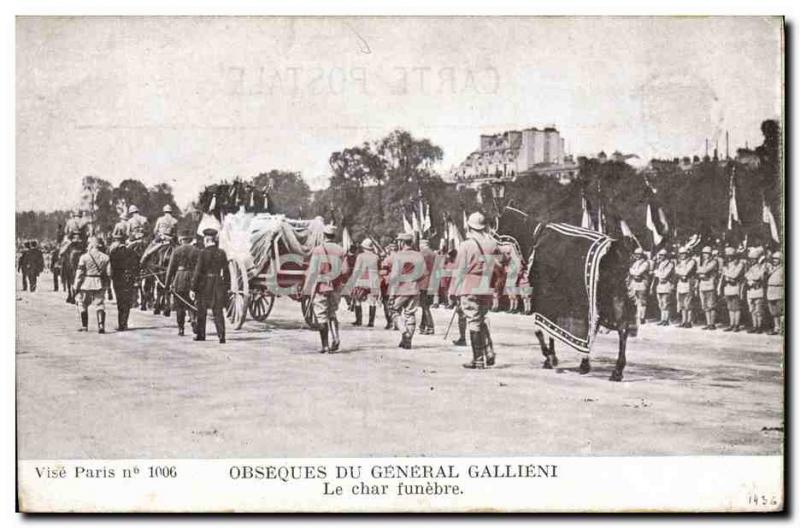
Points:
[(452, 317)]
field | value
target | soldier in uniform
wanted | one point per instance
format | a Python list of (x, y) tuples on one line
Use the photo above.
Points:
[(775, 293), (326, 269), (686, 270), (755, 283), (165, 225), (22, 263), (367, 286), (732, 276), (121, 227), (471, 283), (640, 276), (136, 222), (707, 272), (388, 312), (664, 285), (425, 296), (179, 276), (407, 271), (124, 267), (211, 281), (55, 267), (91, 281), (35, 263)]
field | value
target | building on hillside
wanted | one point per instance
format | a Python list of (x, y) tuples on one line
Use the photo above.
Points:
[(515, 153)]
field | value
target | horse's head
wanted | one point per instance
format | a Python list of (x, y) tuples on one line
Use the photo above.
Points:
[(518, 227)]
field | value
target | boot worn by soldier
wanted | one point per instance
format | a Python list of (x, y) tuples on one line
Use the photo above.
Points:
[(488, 348), (462, 333), (84, 322), (323, 335), (478, 353), (371, 322), (334, 331), (101, 321), (359, 315)]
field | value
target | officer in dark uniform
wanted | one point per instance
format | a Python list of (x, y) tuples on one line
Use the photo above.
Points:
[(179, 276), (211, 281), (124, 267), (22, 264)]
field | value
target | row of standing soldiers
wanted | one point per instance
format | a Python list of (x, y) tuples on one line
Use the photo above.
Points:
[(736, 280)]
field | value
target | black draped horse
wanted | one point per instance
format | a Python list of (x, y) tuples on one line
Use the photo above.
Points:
[(153, 265), (68, 261), (610, 301)]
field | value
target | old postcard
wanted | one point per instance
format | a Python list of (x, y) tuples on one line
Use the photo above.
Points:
[(399, 264)]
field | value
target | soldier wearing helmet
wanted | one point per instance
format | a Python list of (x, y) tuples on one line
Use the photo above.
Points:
[(388, 312), (664, 285), (120, 233), (732, 277), (640, 275), (477, 258), (407, 272), (165, 225), (755, 284), (367, 287), (708, 272), (327, 271), (136, 222), (91, 280), (775, 292), (686, 270)]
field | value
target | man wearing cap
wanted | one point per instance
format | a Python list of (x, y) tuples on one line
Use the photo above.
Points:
[(426, 296), (471, 283), (91, 280), (707, 272), (639, 274), (35, 264), (665, 285), (124, 268), (367, 282), (324, 278), (179, 277), (165, 225), (22, 263), (732, 277), (755, 283), (686, 271), (211, 282), (121, 227), (136, 222), (406, 272), (775, 292)]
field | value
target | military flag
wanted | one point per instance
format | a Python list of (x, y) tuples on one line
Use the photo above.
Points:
[(733, 208), (769, 219), (657, 224), (347, 242), (586, 219), (406, 226)]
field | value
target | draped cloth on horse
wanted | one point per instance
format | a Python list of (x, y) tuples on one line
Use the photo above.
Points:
[(249, 238), (565, 267)]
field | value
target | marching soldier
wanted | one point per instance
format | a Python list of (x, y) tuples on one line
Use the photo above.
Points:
[(136, 222), (326, 268), (425, 296), (775, 293), (732, 276), (368, 287), (124, 267), (474, 267), (639, 274), (165, 225), (55, 267), (22, 263), (407, 271), (385, 297), (755, 282), (35, 262), (686, 270), (707, 272), (179, 276), (121, 227), (211, 281), (91, 281), (665, 285)]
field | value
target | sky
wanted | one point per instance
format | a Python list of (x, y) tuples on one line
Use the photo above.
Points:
[(191, 101)]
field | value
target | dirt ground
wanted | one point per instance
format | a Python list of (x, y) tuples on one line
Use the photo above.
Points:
[(268, 393)]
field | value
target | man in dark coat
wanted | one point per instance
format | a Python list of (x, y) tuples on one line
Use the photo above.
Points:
[(22, 264), (124, 268), (35, 264), (211, 281), (179, 276), (55, 267)]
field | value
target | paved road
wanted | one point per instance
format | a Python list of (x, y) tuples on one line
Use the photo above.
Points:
[(267, 393)]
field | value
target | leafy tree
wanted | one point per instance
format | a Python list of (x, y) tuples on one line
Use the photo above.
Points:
[(97, 197), (288, 193)]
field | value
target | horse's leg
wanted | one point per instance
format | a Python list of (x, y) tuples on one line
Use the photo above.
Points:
[(546, 352), (620, 366), (586, 365), (553, 358)]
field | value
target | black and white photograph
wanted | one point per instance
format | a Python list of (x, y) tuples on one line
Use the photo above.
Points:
[(399, 263)]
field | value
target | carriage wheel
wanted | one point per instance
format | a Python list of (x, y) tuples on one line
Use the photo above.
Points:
[(239, 294), (308, 313), (261, 303)]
